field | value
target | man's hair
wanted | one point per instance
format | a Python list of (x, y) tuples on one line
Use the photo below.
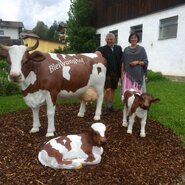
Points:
[(110, 35)]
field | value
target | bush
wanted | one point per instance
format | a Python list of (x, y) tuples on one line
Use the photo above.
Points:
[(3, 69), (65, 50), (155, 76), (3, 64), (7, 88)]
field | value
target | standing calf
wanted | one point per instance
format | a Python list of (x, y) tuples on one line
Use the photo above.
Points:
[(72, 151), (136, 104)]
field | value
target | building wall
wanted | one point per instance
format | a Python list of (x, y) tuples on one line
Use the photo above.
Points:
[(44, 46), (166, 56), (13, 33), (108, 12)]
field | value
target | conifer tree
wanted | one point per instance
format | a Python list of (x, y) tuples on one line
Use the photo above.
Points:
[(41, 29), (81, 36)]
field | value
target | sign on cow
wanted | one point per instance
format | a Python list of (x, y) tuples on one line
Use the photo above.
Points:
[(44, 77)]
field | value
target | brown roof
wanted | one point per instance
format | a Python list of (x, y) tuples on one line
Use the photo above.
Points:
[(63, 24), (27, 34), (11, 24)]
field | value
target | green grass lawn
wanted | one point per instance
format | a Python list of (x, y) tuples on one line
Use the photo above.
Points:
[(11, 104), (170, 111), (16, 103)]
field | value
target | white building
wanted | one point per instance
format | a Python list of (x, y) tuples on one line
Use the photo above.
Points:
[(163, 36), (10, 32)]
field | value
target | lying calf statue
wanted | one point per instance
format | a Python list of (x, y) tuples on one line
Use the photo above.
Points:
[(73, 151), (136, 104)]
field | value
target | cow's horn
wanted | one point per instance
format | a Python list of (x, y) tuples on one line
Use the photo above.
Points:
[(4, 47), (34, 46)]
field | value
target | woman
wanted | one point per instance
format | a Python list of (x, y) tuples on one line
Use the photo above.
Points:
[(134, 65)]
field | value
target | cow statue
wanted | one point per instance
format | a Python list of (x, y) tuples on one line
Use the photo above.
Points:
[(136, 104), (74, 151), (43, 77)]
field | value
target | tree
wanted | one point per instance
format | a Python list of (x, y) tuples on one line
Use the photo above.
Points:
[(81, 36), (41, 30), (52, 33)]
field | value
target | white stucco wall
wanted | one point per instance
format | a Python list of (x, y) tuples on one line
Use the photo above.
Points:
[(166, 56), (10, 32)]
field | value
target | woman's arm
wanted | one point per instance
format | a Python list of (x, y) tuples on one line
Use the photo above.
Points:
[(122, 65), (122, 71), (137, 62), (143, 61)]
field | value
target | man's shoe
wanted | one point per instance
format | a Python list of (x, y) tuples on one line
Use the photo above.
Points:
[(112, 109), (107, 112)]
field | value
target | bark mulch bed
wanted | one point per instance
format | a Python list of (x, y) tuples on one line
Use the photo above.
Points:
[(158, 159)]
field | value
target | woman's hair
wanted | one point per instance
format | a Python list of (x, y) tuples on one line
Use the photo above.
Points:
[(133, 33)]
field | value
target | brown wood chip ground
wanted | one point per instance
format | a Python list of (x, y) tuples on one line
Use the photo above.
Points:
[(158, 159)]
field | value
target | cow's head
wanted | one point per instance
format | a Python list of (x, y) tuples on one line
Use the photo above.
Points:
[(98, 133), (145, 100), (17, 57)]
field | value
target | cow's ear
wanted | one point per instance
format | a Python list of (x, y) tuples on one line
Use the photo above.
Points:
[(155, 100), (3, 54), (138, 95), (94, 132), (37, 56)]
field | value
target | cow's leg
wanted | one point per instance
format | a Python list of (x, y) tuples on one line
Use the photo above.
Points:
[(125, 124), (95, 159), (131, 123), (82, 109), (50, 114), (100, 92), (142, 131), (36, 121)]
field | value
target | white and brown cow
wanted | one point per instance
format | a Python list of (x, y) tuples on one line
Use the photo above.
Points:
[(74, 151), (136, 104), (44, 77)]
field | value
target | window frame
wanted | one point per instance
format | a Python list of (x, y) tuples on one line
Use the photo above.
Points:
[(166, 25), (2, 32), (115, 32), (98, 40), (137, 29)]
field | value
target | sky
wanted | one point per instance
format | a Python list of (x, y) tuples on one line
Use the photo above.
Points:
[(31, 11)]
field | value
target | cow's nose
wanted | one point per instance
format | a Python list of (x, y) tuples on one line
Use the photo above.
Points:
[(15, 78), (103, 141), (146, 107)]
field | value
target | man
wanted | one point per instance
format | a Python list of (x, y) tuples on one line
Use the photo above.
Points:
[(112, 53)]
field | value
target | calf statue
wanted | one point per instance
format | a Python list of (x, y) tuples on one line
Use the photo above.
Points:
[(43, 77), (136, 104), (74, 151)]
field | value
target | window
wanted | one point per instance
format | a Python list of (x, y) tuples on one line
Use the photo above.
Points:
[(168, 28), (115, 32), (1, 32), (137, 29), (98, 40)]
